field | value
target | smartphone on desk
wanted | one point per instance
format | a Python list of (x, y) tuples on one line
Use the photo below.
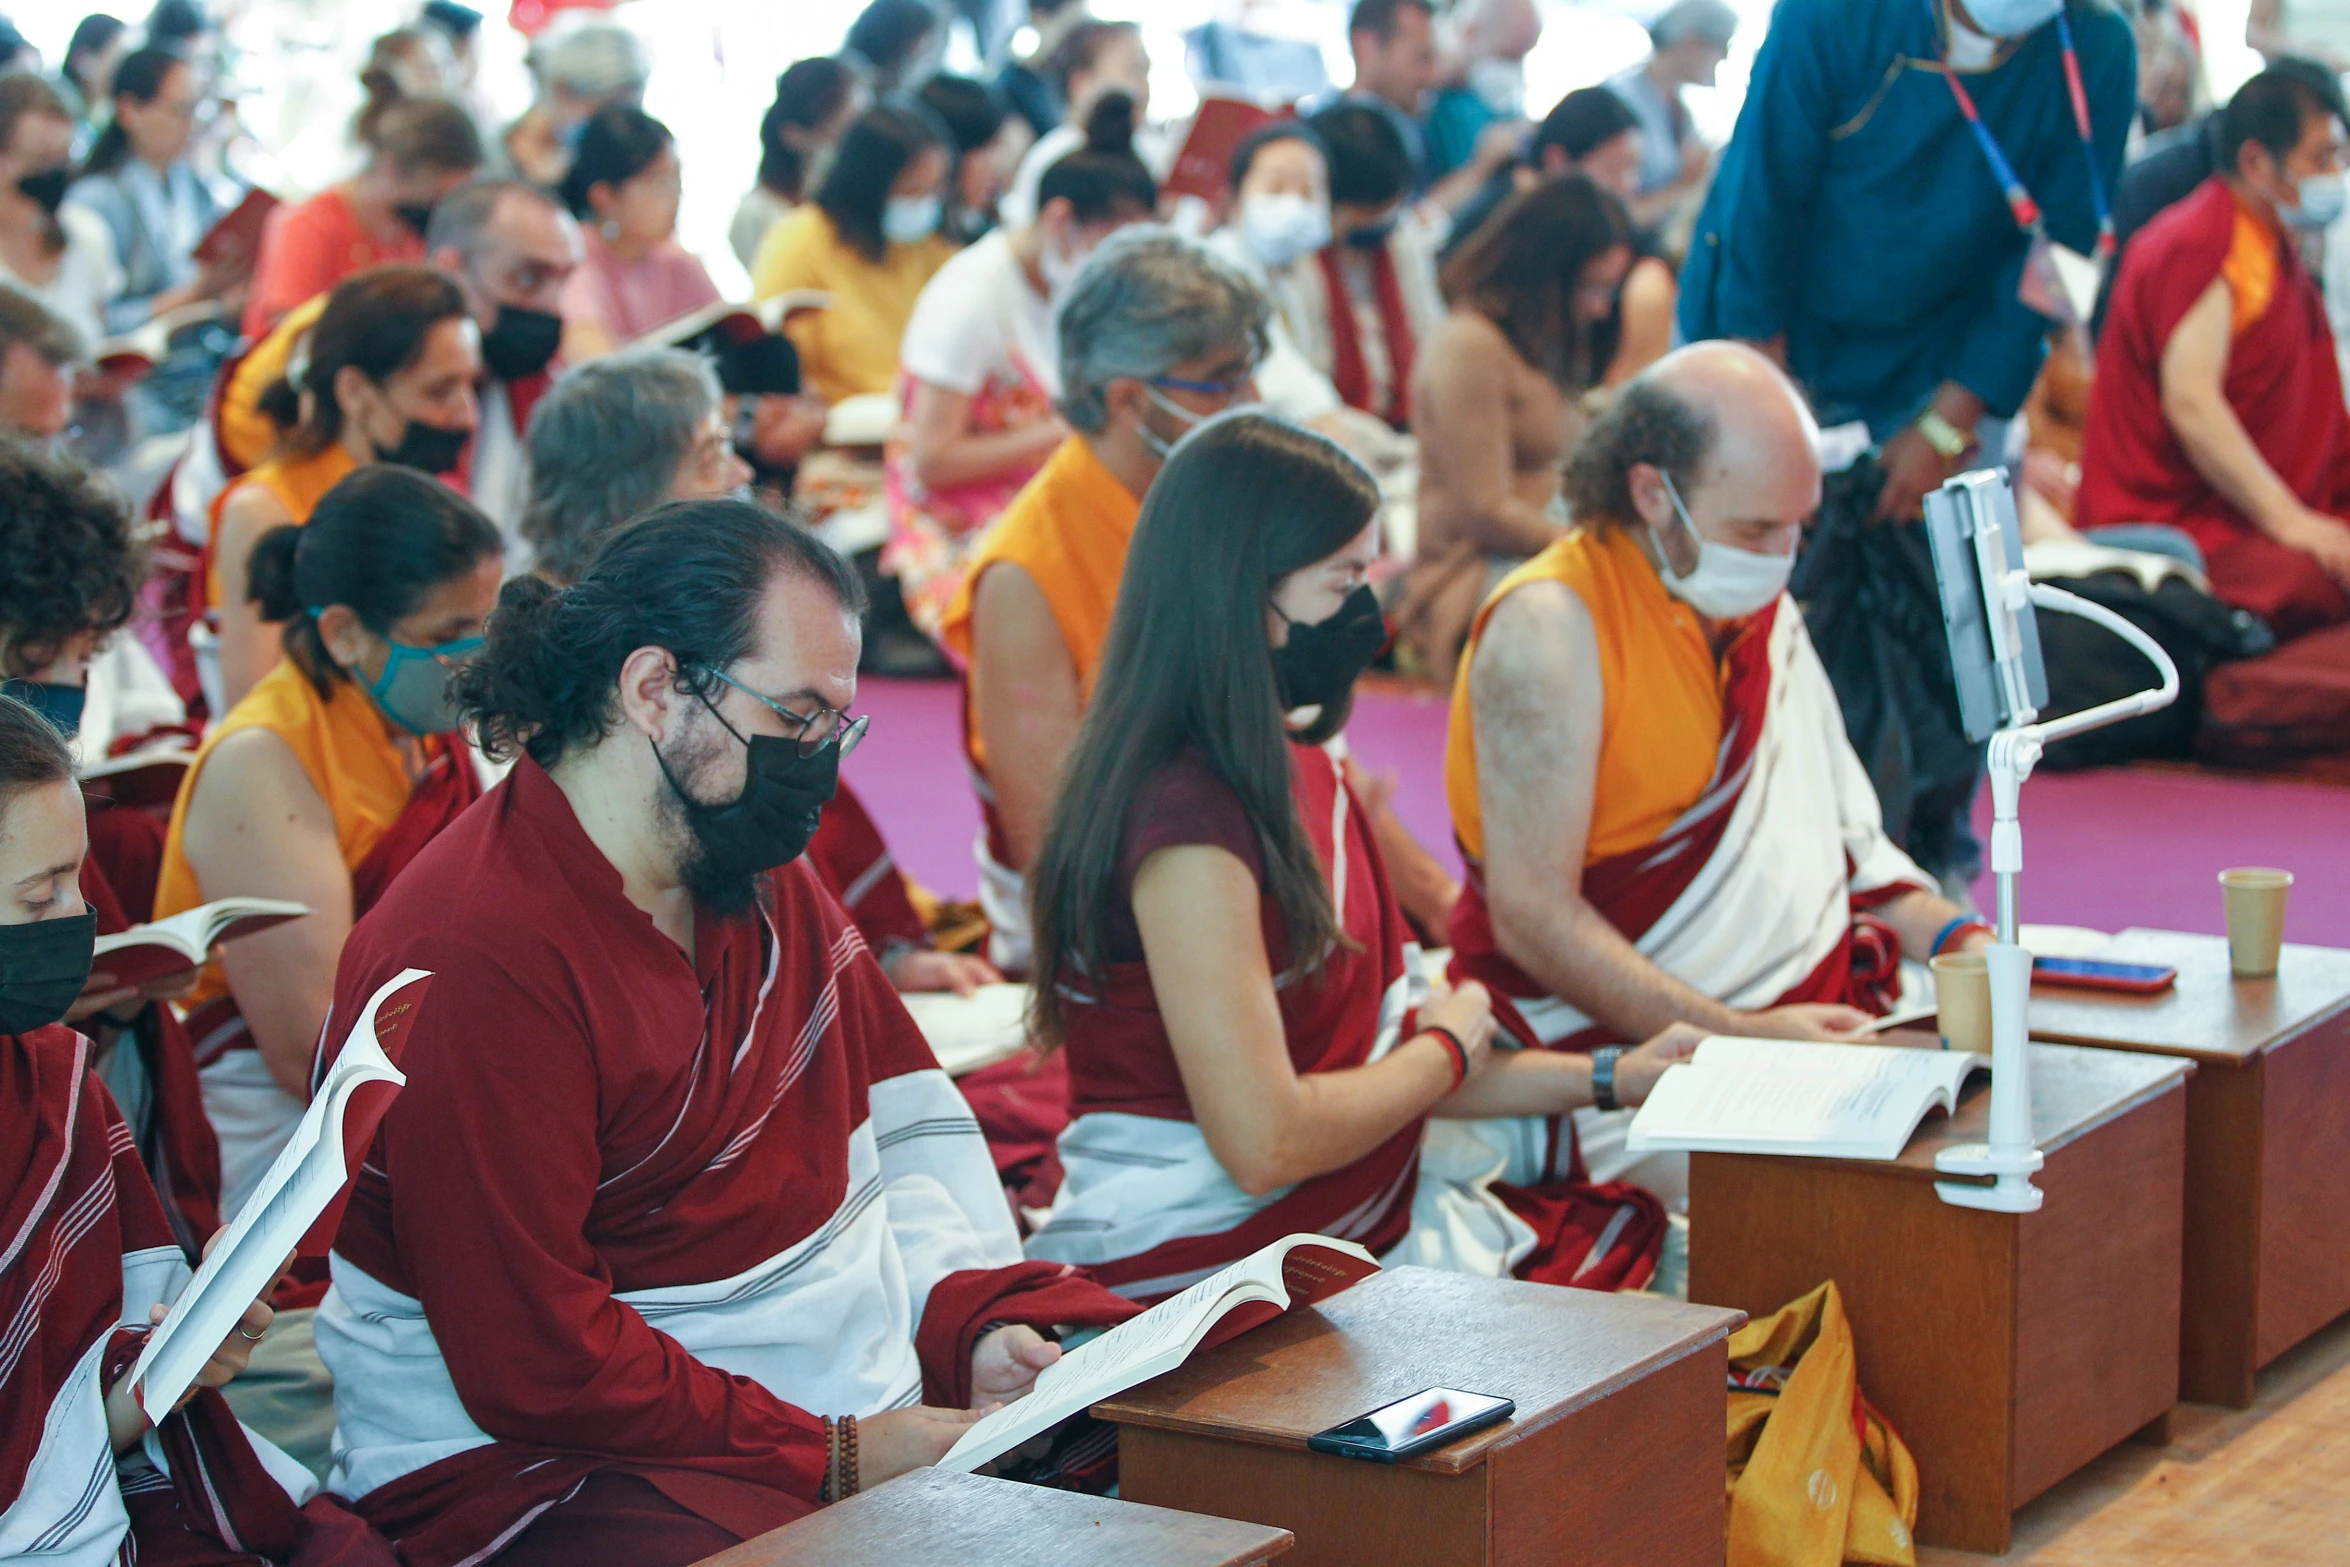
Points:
[(2132, 979), (1411, 1426)]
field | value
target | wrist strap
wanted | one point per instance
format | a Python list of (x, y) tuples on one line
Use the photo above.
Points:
[(1452, 1042), (1955, 929), (1603, 1077)]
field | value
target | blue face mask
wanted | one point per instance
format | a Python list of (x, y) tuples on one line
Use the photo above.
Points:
[(413, 690)]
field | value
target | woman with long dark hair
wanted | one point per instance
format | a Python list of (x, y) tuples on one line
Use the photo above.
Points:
[(1251, 1048), (1535, 298), (871, 240)]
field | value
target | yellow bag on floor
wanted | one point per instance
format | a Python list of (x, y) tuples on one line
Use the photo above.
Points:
[(1816, 1475)]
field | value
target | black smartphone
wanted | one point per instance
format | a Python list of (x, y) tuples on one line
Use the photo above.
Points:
[(1413, 1425)]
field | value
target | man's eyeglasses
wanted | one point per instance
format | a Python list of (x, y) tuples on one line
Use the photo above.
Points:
[(826, 726), (1227, 390)]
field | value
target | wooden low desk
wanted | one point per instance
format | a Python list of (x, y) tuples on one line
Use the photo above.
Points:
[(932, 1518), (2268, 1141), (2007, 1349), (1614, 1457)]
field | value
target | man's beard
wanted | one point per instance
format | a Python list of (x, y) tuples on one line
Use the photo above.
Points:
[(712, 888)]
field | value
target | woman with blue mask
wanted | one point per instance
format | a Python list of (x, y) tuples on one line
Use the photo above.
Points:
[(871, 240)]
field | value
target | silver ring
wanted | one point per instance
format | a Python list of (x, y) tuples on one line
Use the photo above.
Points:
[(252, 1338)]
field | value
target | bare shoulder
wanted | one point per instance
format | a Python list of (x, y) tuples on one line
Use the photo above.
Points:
[(1467, 340), (252, 773), (1011, 617), (250, 511), (1538, 638)]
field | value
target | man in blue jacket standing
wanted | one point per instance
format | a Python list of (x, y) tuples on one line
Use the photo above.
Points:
[(1881, 223)]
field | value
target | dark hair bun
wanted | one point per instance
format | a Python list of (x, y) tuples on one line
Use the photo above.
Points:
[(269, 575), (1109, 126)]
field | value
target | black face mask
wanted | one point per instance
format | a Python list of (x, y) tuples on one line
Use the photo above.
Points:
[(427, 448), (1372, 235), (61, 705), (43, 967), (414, 216), (520, 342), (46, 189), (767, 825), (1317, 666)]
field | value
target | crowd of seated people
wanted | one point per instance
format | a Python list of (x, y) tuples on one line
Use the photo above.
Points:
[(508, 634)]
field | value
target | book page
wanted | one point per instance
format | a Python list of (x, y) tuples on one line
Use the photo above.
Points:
[(1138, 1349), (1799, 1096), (186, 939), (309, 1173), (969, 1032)]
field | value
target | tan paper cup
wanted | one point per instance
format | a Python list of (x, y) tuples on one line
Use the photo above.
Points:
[(1962, 992), (2255, 900)]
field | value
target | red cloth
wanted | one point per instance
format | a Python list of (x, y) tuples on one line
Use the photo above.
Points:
[(855, 866), (1120, 1058), (1021, 1106), (1589, 1237), (2283, 381), (74, 1202), (127, 844), (689, 1119), (1041, 1295), (1349, 372), (179, 1148)]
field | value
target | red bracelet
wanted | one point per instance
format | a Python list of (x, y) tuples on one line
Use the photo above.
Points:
[(1452, 1042), (1954, 930)]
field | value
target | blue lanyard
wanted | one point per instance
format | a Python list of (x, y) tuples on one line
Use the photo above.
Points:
[(2019, 200)]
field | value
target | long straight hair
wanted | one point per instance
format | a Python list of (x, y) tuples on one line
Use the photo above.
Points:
[(1521, 268), (1245, 501)]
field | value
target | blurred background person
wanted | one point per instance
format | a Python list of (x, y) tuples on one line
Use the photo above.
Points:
[(897, 44), (1487, 87), (871, 240), (579, 64), (38, 351), (85, 76), (624, 186), (1093, 58), (61, 256), (1690, 40), (1531, 328), (981, 359), (814, 102), (989, 140)]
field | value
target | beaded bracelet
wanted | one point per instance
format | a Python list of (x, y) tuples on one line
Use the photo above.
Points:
[(840, 1459), (1452, 1042)]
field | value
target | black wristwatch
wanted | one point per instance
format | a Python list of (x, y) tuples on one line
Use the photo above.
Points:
[(1603, 1077)]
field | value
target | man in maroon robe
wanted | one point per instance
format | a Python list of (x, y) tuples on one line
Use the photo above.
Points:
[(2217, 407), (676, 1197)]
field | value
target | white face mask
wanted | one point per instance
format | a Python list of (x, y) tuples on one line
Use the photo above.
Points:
[(1729, 583), (1060, 269), (2012, 18), (1500, 85), (2322, 199), (1279, 227), (905, 219)]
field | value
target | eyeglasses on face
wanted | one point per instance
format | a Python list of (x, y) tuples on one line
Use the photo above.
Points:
[(814, 731)]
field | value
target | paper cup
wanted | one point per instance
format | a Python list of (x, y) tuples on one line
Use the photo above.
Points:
[(2255, 900), (1962, 994)]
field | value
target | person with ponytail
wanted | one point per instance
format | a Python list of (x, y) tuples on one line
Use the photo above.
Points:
[(623, 186), (1252, 1049), (419, 148), (1094, 58), (870, 238), (386, 376), (981, 362), (814, 102), (320, 787)]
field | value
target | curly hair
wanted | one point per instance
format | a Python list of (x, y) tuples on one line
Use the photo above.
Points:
[(1647, 423), (69, 562)]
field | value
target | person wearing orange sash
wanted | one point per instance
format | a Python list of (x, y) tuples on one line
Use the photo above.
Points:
[(1157, 334), (320, 786), (387, 376), (1649, 776), (1252, 1049)]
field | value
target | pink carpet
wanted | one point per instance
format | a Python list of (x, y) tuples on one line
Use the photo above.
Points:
[(2104, 849)]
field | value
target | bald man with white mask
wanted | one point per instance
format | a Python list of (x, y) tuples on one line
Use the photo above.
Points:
[(1648, 771)]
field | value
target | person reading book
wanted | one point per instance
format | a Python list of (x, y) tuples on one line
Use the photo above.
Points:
[(751, 1251), (1251, 1049), (94, 1261), (1648, 772)]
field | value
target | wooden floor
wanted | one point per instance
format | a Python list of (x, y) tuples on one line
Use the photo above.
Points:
[(2267, 1485)]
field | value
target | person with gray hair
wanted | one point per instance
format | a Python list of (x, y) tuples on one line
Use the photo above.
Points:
[(614, 439), (1689, 41), (38, 349), (1157, 334), (578, 68)]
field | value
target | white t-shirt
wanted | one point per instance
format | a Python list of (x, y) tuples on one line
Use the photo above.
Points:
[(86, 276), (979, 324)]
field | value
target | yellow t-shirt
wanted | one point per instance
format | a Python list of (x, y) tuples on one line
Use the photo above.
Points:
[(1660, 702), (851, 347)]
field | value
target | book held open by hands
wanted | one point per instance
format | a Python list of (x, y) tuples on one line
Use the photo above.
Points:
[(1296, 1271), (295, 1208), (969, 1032), (1791, 1096), (185, 941)]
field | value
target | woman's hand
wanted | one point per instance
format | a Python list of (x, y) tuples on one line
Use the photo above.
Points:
[(1819, 1020), (890, 1444), (126, 1420), (99, 994), (1004, 1364), (913, 969), (1638, 1069), (1468, 1013)]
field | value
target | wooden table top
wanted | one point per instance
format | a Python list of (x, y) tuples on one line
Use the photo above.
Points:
[(2209, 1015), (1404, 1330), (934, 1518)]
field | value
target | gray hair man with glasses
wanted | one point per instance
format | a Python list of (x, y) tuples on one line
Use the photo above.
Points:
[(1157, 334)]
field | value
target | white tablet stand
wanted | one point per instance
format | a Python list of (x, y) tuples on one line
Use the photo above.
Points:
[(1987, 598)]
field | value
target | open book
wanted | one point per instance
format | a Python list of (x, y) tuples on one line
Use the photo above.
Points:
[(149, 343), (969, 1032), (238, 233), (148, 776), (1792, 1097), (1296, 1271), (297, 1205), (755, 320), (186, 939)]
